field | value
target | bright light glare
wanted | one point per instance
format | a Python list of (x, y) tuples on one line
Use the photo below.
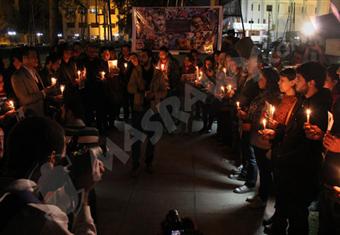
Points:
[(309, 29), (12, 33)]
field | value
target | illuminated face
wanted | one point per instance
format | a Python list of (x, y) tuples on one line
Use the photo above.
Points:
[(208, 64), (67, 55), (301, 84), (329, 82), (32, 59), (285, 85), (134, 60), (163, 55), (106, 55), (233, 67)]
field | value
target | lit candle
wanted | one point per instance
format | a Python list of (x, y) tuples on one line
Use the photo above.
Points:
[(162, 67), (197, 71), (238, 104), (229, 88), (222, 89), (264, 122), (125, 65), (115, 63), (272, 111), (102, 73), (11, 104), (62, 88), (225, 70), (79, 73), (53, 81), (308, 112)]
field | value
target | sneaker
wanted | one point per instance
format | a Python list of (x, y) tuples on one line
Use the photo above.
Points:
[(243, 189), (237, 170), (252, 198), (237, 177), (257, 204)]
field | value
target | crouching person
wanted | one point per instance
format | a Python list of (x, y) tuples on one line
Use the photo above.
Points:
[(43, 191)]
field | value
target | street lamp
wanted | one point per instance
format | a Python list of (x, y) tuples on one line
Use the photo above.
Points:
[(11, 33), (39, 34), (59, 35), (309, 29)]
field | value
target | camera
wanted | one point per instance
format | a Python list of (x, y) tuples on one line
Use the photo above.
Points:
[(175, 225)]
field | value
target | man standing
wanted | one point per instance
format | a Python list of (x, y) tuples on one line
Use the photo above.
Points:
[(297, 155), (28, 86)]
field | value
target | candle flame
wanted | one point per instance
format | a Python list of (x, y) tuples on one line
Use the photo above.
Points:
[(264, 122), (53, 81), (11, 104), (62, 88)]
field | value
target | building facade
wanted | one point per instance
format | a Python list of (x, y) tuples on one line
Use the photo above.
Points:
[(279, 16), (90, 20)]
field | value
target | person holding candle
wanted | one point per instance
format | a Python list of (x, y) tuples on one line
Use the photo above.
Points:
[(208, 107), (147, 89), (329, 203), (225, 113), (172, 70), (51, 69), (269, 92), (188, 74), (124, 76), (68, 77), (28, 86), (296, 156), (247, 90)]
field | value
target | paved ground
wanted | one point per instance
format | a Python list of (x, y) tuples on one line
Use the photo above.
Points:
[(191, 176)]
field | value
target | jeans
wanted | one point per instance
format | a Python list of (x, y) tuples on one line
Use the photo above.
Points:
[(136, 147), (265, 172), (249, 155)]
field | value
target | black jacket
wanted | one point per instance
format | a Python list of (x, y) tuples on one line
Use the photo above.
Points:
[(293, 153)]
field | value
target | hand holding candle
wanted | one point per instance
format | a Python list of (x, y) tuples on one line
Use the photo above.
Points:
[(79, 73), (162, 67), (11, 104), (62, 88), (238, 105), (229, 88), (102, 75), (53, 81), (225, 70), (308, 113), (264, 123), (272, 111)]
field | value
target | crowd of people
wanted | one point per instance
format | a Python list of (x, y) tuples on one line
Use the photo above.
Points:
[(281, 121)]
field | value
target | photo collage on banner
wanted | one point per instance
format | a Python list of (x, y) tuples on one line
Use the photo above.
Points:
[(177, 28)]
